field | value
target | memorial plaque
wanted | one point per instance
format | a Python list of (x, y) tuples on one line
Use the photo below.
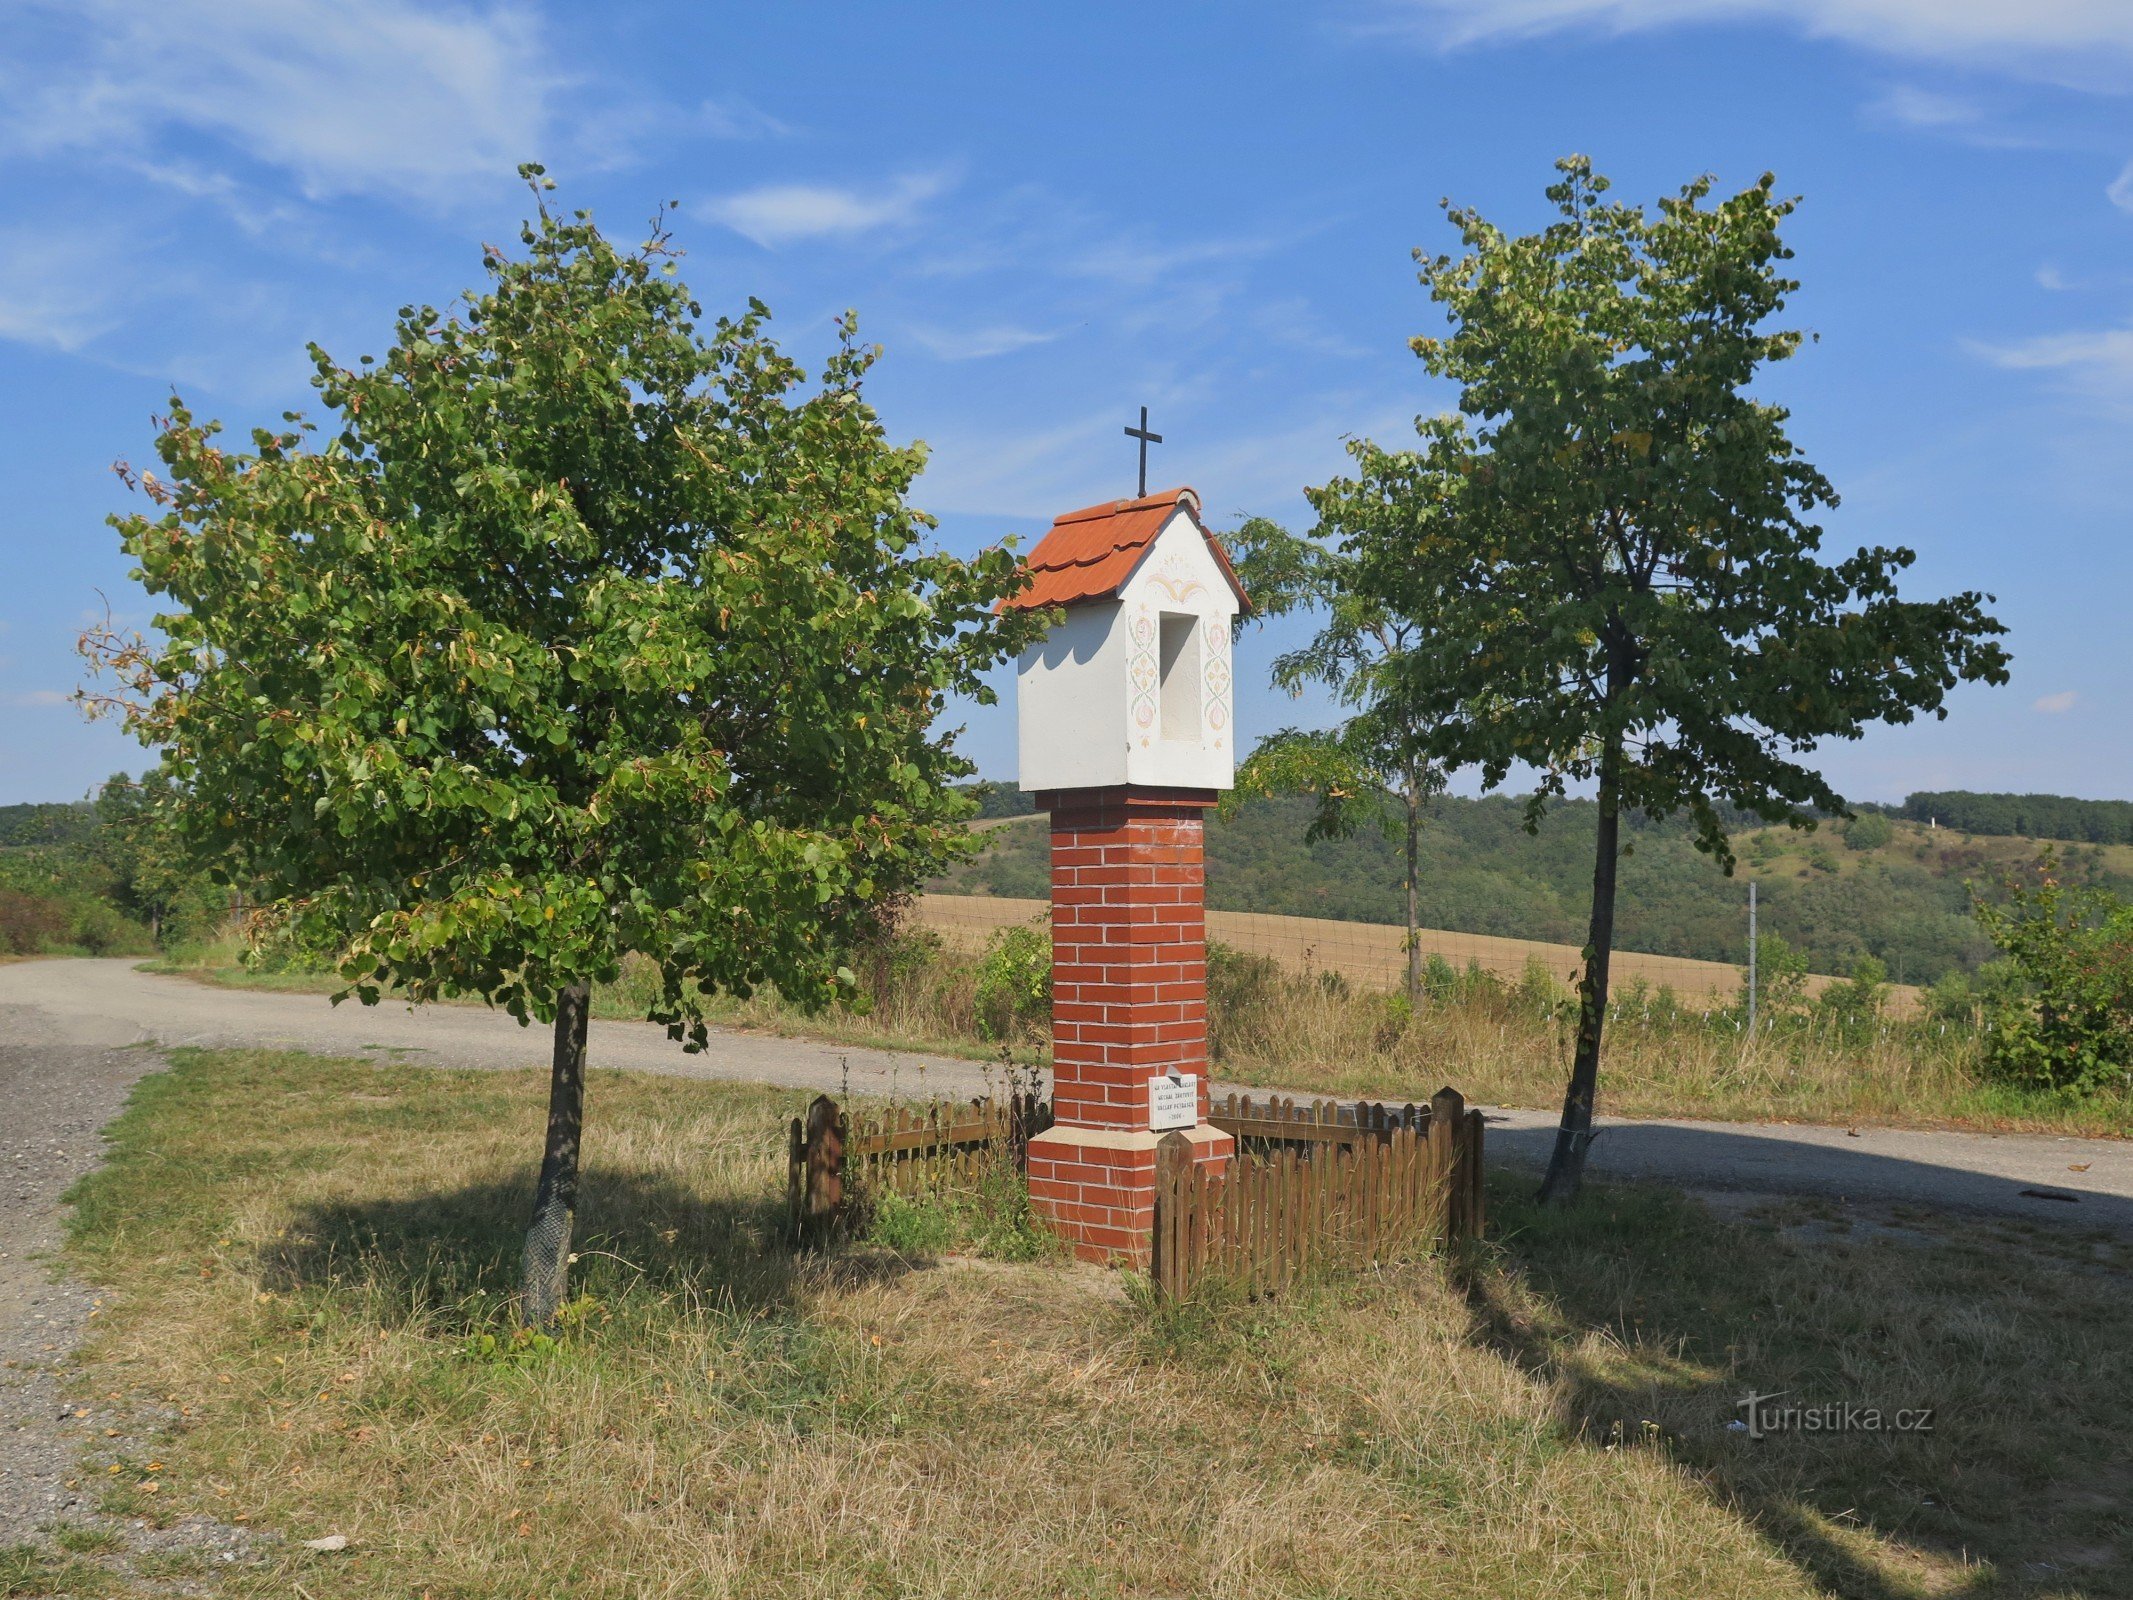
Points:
[(1173, 1102)]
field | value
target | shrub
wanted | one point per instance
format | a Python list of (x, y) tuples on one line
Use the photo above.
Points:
[(2073, 947), (1780, 979), (30, 922), (99, 928), (1014, 989), (1869, 831), (1855, 1004)]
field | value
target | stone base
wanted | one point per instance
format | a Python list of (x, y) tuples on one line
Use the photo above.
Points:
[(1096, 1186)]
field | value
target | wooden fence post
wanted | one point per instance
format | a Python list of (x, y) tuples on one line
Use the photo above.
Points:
[(1173, 1222), (795, 1177), (823, 1144), (1476, 1201), (1447, 1110)]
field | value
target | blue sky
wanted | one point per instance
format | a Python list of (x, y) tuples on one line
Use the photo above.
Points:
[(1053, 215)]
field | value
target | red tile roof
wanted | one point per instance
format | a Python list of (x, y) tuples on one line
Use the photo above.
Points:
[(1089, 554)]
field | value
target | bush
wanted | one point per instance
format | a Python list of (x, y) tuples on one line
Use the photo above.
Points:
[(1014, 991), (1870, 831), (99, 928), (1855, 1004), (2073, 947), (1780, 979), (29, 923)]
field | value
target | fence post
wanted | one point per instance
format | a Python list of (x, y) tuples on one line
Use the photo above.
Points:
[(1447, 1110), (1476, 1202), (1173, 1224), (823, 1156)]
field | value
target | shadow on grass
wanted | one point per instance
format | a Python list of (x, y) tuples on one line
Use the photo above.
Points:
[(1651, 1318), (452, 1257)]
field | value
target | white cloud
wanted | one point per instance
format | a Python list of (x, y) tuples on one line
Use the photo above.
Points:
[(2107, 352), (732, 117), (348, 96), (2050, 277), (38, 697), (48, 293), (785, 213), (2053, 705), (2091, 40), (977, 344), (2120, 188), (2096, 364), (1907, 103)]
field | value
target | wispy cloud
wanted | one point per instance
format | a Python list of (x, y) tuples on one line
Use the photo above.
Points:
[(2051, 278), (27, 698), (731, 117), (1915, 107), (786, 213), (2120, 188), (2053, 705), (977, 344), (47, 294), (2089, 41), (2108, 350), (2096, 364), (378, 97)]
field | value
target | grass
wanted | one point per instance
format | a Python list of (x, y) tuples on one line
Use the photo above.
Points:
[(309, 1265), (1507, 1046)]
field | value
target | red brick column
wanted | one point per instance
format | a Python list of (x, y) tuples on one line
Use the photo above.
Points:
[(1129, 1003)]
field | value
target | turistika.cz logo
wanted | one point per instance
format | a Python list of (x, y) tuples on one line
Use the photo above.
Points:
[(1763, 1415)]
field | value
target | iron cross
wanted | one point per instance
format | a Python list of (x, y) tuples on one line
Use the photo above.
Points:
[(1146, 438)]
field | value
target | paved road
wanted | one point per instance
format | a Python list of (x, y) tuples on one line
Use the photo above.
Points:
[(106, 1005)]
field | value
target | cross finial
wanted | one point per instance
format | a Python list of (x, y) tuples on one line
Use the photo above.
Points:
[(1146, 438)]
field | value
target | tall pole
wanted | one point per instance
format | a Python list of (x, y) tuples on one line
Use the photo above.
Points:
[(1751, 958)]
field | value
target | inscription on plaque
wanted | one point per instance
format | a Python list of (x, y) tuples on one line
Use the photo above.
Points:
[(1173, 1102)]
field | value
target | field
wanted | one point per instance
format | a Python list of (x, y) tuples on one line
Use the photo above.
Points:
[(306, 1267), (1835, 893), (1373, 955)]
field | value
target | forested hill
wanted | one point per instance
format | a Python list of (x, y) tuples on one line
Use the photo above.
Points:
[(1874, 887), (2024, 816), (46, 822)]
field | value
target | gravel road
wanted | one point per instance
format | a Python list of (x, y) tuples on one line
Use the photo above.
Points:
[(61, 1081)]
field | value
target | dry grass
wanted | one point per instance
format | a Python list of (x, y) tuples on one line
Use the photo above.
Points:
[(1500, 1045), (304, 1255), (1509, 1050)]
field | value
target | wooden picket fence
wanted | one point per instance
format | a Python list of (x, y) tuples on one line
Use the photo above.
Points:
[(834, 1160), (1312, 1187), (1314, 1184)]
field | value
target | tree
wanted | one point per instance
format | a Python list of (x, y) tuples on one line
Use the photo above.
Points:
[(585, 632), (1371, 768), (1626, 589), (151, 877)]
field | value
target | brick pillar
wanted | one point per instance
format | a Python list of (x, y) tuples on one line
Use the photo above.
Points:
[(1129, 1003)]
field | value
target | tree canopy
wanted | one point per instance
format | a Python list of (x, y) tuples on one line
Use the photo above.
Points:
[(583, 628), (1610, 554)]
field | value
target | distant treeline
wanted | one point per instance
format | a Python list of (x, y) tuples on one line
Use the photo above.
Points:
[(46, 822), (2023, 816)]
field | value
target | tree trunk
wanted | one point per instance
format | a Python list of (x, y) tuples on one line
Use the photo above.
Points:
[(1573, 1137), (1414, 914), (545, 1274)]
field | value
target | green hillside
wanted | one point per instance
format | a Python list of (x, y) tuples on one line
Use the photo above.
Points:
[(1901, 896)]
